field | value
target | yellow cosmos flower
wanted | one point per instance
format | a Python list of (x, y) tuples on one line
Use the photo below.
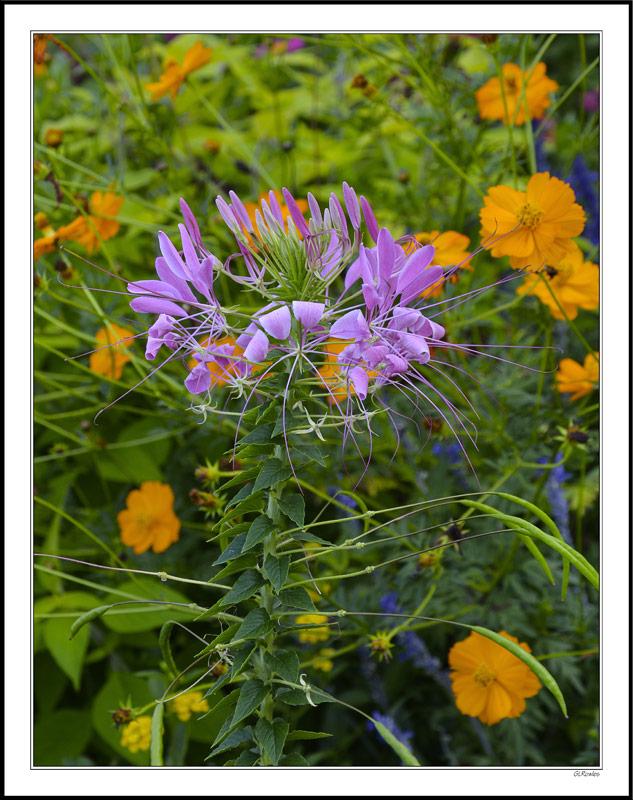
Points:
[(578, 380), (137, 734), (574, 281), (324, 662), (489, 682), (490, 100), (149, 519), (188, 704), (313, 635), (539, 222), (110, 360), (174, 75)]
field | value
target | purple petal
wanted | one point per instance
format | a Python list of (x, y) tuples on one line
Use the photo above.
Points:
[(172, 257), (386, 253), (350, 326), (351, 204), (199, 379), (375, 354), (163, 325), (360, 380), (191, 257), (315, 210), (257, 349), (202, 277), (152, 347), (372, 298), (241, 212), (404, 318), (181, 286), (295, 213), (353, 273), (156, 288), (427, 278), (277, 323), (154, 305), (227, 214), (417, 346), (190, 222), (370, 219), (309, 314), (244, 339), (338, 215), (276, 209), (416, 264), (431, 329), (397, 364)]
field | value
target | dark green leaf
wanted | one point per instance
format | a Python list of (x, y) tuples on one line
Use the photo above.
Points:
[(247, 758), (232, 551), (276, 570), (243, 588), (243, 475), (251, 695), (262, 434), (272, 473), (304, 536), (256, 625), (240, 660), (269, 413), (259, 530), (243, 493), (283, 663), (293, 735), (310, 451), (156, 746), (252, 503), (293, 760), (237, 737), (254, 450), (221, 638), (297, 597), (294, 507), (237, 565), (272, 737)]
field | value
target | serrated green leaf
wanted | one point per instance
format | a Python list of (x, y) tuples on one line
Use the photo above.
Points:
[(293, 760), (284, 663), (256, 625), (276, 570), (243, 588), (234, 739), (232, 551), (244, 475), (304, 536), (259, 530), (272, 737), (252, 694), (247, 758), (252, 503), (243, 493), (262, 434), (298, 697), (297, 597), (272, 473), (237, 565), (294, 507), (240, 660), (312, 452), (221, 638), (254, 450), (269, 414)]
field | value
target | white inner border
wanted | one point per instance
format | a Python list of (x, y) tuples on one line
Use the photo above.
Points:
[(613, 21)]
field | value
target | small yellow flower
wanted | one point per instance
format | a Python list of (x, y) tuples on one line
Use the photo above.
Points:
[(174, 75), (427, 559), (313, 635), (149, 519), (137, 734), (53, 137), (380, 645), (109, 361), (578, 380), (324, 662), (188, 704), (489, 682)]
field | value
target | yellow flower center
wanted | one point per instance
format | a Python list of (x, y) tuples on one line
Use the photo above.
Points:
[(144, 520), (511, 86), (529, 215), (484, 676), (423, 238), (564, 272)]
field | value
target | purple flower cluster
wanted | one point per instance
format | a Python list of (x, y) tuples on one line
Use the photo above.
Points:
[(559, 505)]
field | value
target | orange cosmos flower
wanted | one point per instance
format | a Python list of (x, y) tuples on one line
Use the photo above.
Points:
[(110, 360), (102, 204), (450, 250), (149, 519), (332, 375), (489, 682), (574, 281), (578, 380), (174, 75), (39, 53), (490, 100), (49, 243), (539, 222)]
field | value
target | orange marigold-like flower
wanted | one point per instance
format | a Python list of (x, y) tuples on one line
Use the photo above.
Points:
[(574, 281), (489, 682), (109, 361), (98, 228), (149, 519), (490, 100), (450, 250), (578, 380), (539, 222), (39, 53), (174, 75)]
